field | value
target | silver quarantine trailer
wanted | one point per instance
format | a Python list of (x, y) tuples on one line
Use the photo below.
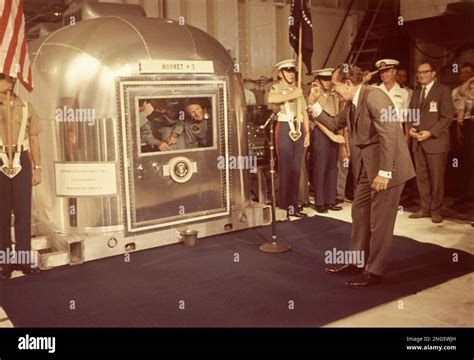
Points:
[(106, 190)]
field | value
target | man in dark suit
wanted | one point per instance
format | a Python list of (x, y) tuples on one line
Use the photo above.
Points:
[(382, 165), (430, 143)]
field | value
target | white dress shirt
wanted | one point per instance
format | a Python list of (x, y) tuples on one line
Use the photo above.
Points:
[(400, 98), (428, 88)]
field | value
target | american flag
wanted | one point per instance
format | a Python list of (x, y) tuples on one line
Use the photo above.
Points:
[(300, 13), (14, 59)]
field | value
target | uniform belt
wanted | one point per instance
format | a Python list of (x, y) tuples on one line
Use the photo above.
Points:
[(15, 148), (285, 118)]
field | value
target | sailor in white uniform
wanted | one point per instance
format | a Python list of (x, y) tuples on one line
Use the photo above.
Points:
[(400, 97)]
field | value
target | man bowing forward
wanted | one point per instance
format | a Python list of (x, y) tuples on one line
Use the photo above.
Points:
[(382, 165)]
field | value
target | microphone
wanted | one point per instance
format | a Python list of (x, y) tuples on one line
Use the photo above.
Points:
[(270, 118)]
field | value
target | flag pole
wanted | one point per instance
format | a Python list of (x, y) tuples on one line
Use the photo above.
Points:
[(9, 132), (300, 65), (300, 59)]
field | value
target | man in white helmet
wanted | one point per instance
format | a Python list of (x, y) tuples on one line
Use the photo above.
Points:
[(291, 134), (18, 174)]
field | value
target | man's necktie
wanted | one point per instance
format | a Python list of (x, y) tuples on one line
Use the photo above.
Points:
[(352, 112), (423, 95)]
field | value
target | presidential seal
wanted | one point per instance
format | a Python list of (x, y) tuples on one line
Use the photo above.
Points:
[(180, 169)]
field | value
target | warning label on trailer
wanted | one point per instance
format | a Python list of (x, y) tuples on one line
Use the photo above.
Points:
[(85, 179)]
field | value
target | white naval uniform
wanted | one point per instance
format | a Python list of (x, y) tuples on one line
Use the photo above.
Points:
[(399, 96)]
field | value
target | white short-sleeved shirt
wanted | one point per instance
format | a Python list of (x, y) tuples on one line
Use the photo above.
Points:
[(399, 96), (462, 103)]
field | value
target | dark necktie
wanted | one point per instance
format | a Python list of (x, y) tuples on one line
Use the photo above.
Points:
[(352, 112), (423, 95)]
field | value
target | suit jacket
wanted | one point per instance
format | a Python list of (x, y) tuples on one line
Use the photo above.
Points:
[(379, 144), (436, 114)]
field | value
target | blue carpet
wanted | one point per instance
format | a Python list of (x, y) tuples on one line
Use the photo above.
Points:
[(173, 286)]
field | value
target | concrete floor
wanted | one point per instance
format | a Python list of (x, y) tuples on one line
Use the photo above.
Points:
[(450, 304)]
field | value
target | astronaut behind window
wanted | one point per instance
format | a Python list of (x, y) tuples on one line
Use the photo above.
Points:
[(159, 131), (197, 128)]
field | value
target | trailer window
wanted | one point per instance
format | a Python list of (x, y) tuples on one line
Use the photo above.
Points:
[(170, 124)]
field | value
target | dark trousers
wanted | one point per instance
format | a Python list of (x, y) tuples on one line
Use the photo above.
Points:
[(342, 173), (468, 159), (373, 221), (290, 156), (325, 168), (15, 195), (303, 193), (410, 191), (430, 171)]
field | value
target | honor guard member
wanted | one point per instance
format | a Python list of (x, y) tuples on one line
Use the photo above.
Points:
[(325, 150), (291, 134), (400, 97), (20, 170)]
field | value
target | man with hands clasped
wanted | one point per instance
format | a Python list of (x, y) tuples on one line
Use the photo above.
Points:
[(430, 140)]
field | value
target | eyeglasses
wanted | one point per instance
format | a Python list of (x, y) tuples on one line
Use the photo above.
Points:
[(423, 72)]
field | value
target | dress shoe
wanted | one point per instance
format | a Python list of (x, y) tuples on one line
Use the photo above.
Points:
[(419, 214), (299, 214), (364, 279), (321, 209), (334, 207), (339, 201), (6, 272), (26, 270), (347, 269), (436, 218)]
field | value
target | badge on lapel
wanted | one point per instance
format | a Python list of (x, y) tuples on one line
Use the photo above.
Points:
[(433, 106)]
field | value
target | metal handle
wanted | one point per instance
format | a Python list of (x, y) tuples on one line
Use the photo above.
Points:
[(140, 171)]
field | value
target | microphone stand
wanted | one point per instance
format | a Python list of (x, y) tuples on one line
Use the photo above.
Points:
[(273, 247)]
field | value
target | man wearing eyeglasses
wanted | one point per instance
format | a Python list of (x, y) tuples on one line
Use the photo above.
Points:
[(430, 140), (20, 162)]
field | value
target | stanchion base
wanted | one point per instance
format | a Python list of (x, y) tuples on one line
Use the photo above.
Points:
[(275, 248)]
